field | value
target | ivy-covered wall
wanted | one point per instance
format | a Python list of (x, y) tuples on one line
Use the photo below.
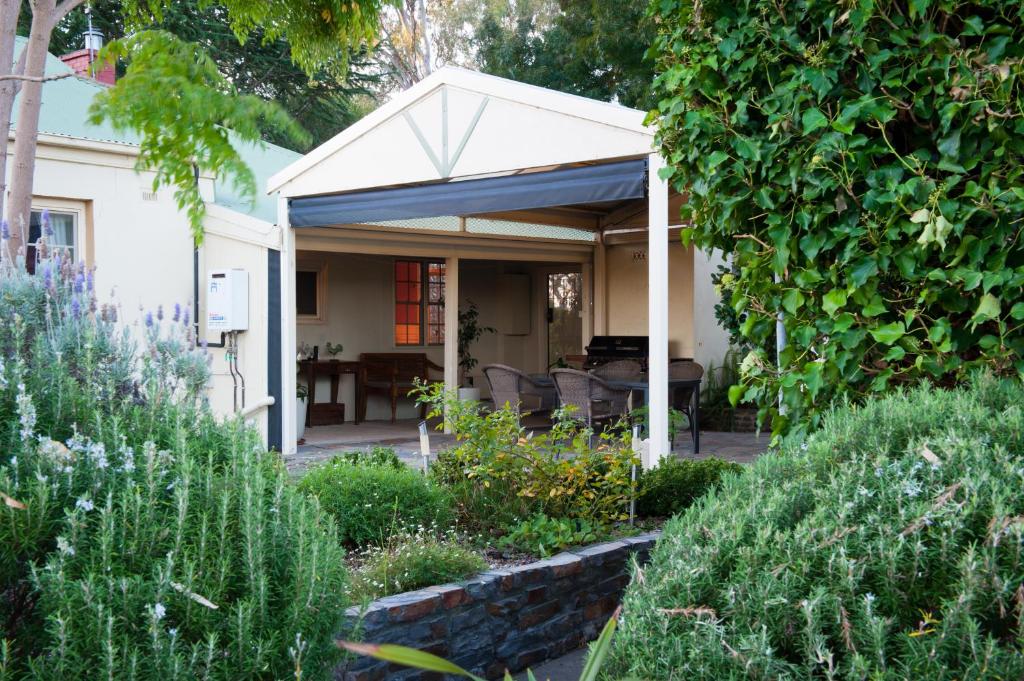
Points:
[(862, 160)]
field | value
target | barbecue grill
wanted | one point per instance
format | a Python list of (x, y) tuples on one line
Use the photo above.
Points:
[(604, 349)]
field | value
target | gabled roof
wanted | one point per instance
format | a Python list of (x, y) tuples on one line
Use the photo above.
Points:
[(65, 113), (411, 133)]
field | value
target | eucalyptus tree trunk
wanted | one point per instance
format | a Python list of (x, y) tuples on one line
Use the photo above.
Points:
[(9, 11), (46, 14)]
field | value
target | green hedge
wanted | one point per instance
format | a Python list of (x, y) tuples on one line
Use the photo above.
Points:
[(864, 164), (370, 501), (888, 545), (675, 484)]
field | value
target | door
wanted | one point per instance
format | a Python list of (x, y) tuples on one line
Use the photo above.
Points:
[(565, 321)]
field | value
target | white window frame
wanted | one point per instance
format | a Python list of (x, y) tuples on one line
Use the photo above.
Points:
[(69, 207)]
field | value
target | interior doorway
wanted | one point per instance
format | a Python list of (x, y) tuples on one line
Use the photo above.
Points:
[(565, 321)]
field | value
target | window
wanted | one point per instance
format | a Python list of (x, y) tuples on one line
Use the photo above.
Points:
[(419, 302), (63, 226), (310, 293)]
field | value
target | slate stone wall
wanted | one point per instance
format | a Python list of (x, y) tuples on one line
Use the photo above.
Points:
[(511, 618)]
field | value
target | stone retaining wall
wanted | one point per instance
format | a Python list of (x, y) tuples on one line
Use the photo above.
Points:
[(510, 618)]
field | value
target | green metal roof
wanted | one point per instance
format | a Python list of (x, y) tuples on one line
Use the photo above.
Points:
[(65, 112)]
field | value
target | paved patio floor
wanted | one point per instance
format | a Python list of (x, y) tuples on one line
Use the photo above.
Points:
[(323, 442)]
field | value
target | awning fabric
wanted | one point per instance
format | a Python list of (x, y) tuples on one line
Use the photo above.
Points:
[(617, 181)]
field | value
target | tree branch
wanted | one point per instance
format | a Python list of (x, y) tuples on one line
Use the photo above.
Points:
[(36, 79)]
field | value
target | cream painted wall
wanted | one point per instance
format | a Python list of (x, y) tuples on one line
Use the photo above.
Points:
[(360, 316), (712, 340), (626, 291), (142, 249)]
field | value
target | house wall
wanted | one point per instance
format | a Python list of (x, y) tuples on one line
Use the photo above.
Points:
[(360, 316), (626, 291), (142, 248), (712, 341)]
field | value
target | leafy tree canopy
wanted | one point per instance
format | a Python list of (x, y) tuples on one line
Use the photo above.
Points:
[(591, 48), (864, 163), (324, 102)]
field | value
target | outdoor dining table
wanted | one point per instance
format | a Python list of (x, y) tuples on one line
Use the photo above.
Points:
[(641, 384)]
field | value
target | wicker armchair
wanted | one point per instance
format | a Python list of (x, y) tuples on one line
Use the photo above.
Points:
[(620, 369), (682, 399), (513, 387), (594, 399)]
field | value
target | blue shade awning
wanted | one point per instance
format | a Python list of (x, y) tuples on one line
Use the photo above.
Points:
[(618, 181)]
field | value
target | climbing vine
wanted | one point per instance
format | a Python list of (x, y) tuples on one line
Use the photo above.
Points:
[(863, 162)]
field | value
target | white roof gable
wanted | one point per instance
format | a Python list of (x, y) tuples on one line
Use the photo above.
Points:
[(458, 123)]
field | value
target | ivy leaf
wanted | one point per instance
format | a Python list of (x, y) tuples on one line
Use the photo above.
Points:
[(833, 300), (813, 119), (716, 158), (792, 300), (888, 334), (1017, 311), (735, 394), (988, 308), (921, 216)]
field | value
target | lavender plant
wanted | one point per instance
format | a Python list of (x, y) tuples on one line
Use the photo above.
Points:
[(143, 539)]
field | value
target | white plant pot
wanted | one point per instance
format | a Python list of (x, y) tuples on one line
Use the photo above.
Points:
[(469, 394), (300, 417)]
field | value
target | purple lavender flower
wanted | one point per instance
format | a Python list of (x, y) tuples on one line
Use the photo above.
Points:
[(47, 227), (47, 275), (89, 281), (76, 307), (187, 316), (5, 230), (177, 312), (79, 283), (160, 312), (149, 320)]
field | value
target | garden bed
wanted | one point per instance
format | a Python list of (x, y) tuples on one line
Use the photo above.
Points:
[(508, 618)]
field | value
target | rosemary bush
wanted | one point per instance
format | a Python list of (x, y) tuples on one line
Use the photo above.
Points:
[(142, 538), (888, 545)]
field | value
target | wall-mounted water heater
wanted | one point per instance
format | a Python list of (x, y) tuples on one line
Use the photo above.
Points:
[(227, 300)]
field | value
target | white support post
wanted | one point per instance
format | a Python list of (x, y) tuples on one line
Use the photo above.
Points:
[(451, 327), (657, 310), (587, 304), (600, 288), (289, 345)]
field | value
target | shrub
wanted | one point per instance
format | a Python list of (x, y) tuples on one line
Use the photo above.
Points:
[(675, 484), (499, 474), (888, 545), (142, 538), (544, 536), (370, 502), (410, 561), (864, 164), (375, 456)]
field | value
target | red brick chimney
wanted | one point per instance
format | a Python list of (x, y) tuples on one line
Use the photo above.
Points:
[(80, 62)]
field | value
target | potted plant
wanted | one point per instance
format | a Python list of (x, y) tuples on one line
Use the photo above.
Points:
[(301, 397), (470, 331), (334, 350)]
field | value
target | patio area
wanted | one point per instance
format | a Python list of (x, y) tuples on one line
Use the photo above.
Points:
[(323, 442)]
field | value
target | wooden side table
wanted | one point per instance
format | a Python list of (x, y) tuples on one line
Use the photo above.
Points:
[(333, 412)]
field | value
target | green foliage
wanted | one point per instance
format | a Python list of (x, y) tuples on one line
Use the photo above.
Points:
[(375, 456), (409, 561), (544, 536), (323, 100), (887, 545), (318, 34), (197, 128), (863, 163), (370, 502), (470, 332), (498, 474), (676, 483), (142, 538), (591, 48)]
